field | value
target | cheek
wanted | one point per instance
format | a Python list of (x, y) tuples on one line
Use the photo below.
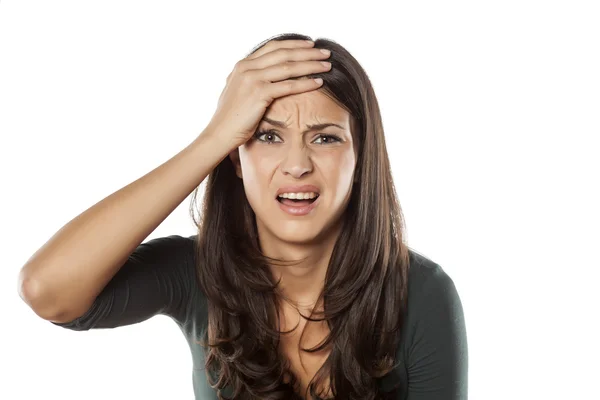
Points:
[(339, 172), (256, 172)]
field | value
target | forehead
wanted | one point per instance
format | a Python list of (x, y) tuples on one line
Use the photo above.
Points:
[(308, 107)]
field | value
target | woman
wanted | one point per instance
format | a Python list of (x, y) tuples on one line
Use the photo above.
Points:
[(298, 284)]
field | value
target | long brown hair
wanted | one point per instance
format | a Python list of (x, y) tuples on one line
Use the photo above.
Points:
[(365, 291)]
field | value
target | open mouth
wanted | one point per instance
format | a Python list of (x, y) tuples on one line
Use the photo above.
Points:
[(297, 202)]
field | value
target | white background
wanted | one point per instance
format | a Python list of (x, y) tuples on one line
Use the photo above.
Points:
[(491, 113)]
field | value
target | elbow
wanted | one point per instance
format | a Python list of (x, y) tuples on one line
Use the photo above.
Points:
[(32, 291)]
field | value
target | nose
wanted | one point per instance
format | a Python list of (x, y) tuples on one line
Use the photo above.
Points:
[(296, 162)]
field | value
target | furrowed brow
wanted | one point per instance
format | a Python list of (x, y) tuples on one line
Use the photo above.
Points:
[(310, 128)]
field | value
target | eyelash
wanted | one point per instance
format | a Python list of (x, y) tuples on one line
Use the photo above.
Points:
[(272, 132)]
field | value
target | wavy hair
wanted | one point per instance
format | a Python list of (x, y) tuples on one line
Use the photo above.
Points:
[(365, 290)]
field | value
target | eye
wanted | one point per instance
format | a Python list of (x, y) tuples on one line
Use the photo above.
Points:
[(269, 134), (330, 139)]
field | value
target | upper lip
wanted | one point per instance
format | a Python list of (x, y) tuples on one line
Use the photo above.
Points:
[(298, 189)]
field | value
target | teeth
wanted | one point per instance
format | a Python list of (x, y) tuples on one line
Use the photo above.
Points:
[(298, 196)]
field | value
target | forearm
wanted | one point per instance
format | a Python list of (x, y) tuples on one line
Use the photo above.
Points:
[(62, 279)]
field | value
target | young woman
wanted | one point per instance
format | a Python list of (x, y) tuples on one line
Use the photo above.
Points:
[(298, 284)]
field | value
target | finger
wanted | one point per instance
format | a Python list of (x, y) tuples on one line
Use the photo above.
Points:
[(292, 86), (281, 56), (279, 72), (279, 44)]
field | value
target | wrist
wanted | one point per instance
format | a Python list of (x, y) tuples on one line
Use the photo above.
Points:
[(214, 139)]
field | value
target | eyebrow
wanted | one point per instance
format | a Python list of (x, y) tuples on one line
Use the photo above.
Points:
[(314, 127)]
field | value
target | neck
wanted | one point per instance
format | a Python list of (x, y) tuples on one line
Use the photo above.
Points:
[(302, 283)]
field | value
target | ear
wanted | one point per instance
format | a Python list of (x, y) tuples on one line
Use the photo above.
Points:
[(235, 159)]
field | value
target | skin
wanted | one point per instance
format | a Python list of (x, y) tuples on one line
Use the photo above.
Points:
[(293, 158)]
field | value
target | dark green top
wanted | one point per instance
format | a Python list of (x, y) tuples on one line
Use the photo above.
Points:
[(159, 278)]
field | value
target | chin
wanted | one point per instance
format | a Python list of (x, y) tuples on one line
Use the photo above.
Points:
[(294, 232)]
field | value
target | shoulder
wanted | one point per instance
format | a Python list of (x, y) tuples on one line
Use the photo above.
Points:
[(173, 252), (183, 250), (426, 280), (431, 357), (433, 298), (434, 342), (172, 262), (173, 244)]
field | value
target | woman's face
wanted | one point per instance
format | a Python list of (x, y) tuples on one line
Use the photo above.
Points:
[(293, 155)]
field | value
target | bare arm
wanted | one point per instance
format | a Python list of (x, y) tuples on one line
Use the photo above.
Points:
[(61, 280)]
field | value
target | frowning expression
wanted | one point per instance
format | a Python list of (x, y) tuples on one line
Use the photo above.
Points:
[(303, 140)]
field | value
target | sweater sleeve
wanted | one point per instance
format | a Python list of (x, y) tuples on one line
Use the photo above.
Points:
[(438, 359), (157, 278)]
